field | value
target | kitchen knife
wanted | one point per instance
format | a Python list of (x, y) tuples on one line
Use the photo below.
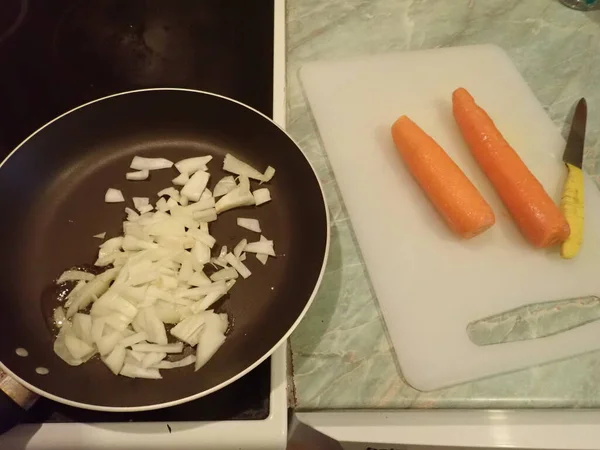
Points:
[(571, 202)]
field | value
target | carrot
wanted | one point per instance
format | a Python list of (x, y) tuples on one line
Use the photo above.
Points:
[(538, 217), (453, 195)]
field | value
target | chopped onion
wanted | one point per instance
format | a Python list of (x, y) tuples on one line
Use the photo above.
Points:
[(234, 199), (210, 340), (187, 329), (201, 252), (244, 183), (141, 163), (82, 327), (195, 186), (224, 274), (100, 235), (262, 258), (140, 202), (59, 317), (181, 179), (237, 265), (239, 248), (209, 299), (224, 186), (147, 320), (261, 196), (78, 348), (264, 247), (192, 165), (203, 237), (269, 174), (152, 358), (209, 215), (169, 192), (249, 224), (115, 359), (242, 257), (138, 175), (75, 275), (188, 360), (161, 205), (234, 165), (132, 371), (113, 196), (183, 200), (201, 205), (166, 348), (133, 339), (199, 279)]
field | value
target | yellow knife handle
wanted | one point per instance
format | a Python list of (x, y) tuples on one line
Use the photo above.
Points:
[(571, 204)]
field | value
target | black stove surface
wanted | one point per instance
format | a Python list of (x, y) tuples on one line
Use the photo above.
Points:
[(55, 55)]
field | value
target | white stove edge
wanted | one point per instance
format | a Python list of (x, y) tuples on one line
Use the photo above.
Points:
[(404, 430), (267, 434)]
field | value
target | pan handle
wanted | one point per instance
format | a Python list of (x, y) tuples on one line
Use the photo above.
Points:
[(15, 401)]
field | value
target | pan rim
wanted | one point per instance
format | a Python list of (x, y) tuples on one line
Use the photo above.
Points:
[(260, 360)]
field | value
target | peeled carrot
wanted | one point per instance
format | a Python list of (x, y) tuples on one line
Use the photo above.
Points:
[(453, 195), (538, 217)]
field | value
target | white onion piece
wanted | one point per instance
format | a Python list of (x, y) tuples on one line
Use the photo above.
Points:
[(82, 327), (209, 215), (204, 226), (195, 186), (187, 329), (239, 248), (185, 271), (244, 183), (98, 326), (264, 247), (141, 163), (133, 339), (139, 202), (169, 192), (161, 205), (203, 237), (132, 215), (59, 317), (199, 279), (92, 289), (224, 186), (166, 348), (224, 274), (111, 246), (113, 196), (234, 165), (192, 165), (136, 356), (115, 359), (268, 175), (183, 200), (262, 258), (75, 275), (210, 339), (188, 360), (201, 252), (132, 371), (148, 321), (242, 257), (234, 199), (201, 291), (261, 196), (152, 358), (61, 349), (108, 342), (238, 265), (181, 179), (249, 224), (138, 175), (201, 205), (100, 235), (77, 348), (167, 312), (146, 209), (209, 300)]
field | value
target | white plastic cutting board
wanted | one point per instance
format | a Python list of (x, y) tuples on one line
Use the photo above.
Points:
[(429, 283)]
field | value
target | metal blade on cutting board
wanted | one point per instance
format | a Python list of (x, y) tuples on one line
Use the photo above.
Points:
[(575, 142)]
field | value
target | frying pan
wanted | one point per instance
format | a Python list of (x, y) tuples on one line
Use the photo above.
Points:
[(52, 204)]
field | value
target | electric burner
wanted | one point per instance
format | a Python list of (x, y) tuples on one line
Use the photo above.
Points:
[(60, 54)]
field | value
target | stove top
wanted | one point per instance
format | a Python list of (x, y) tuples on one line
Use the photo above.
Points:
[(57, 55)]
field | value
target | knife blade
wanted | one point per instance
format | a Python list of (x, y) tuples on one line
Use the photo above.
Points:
[(571, 203)]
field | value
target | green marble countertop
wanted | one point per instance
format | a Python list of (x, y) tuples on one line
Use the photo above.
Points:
[(341, 355)]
